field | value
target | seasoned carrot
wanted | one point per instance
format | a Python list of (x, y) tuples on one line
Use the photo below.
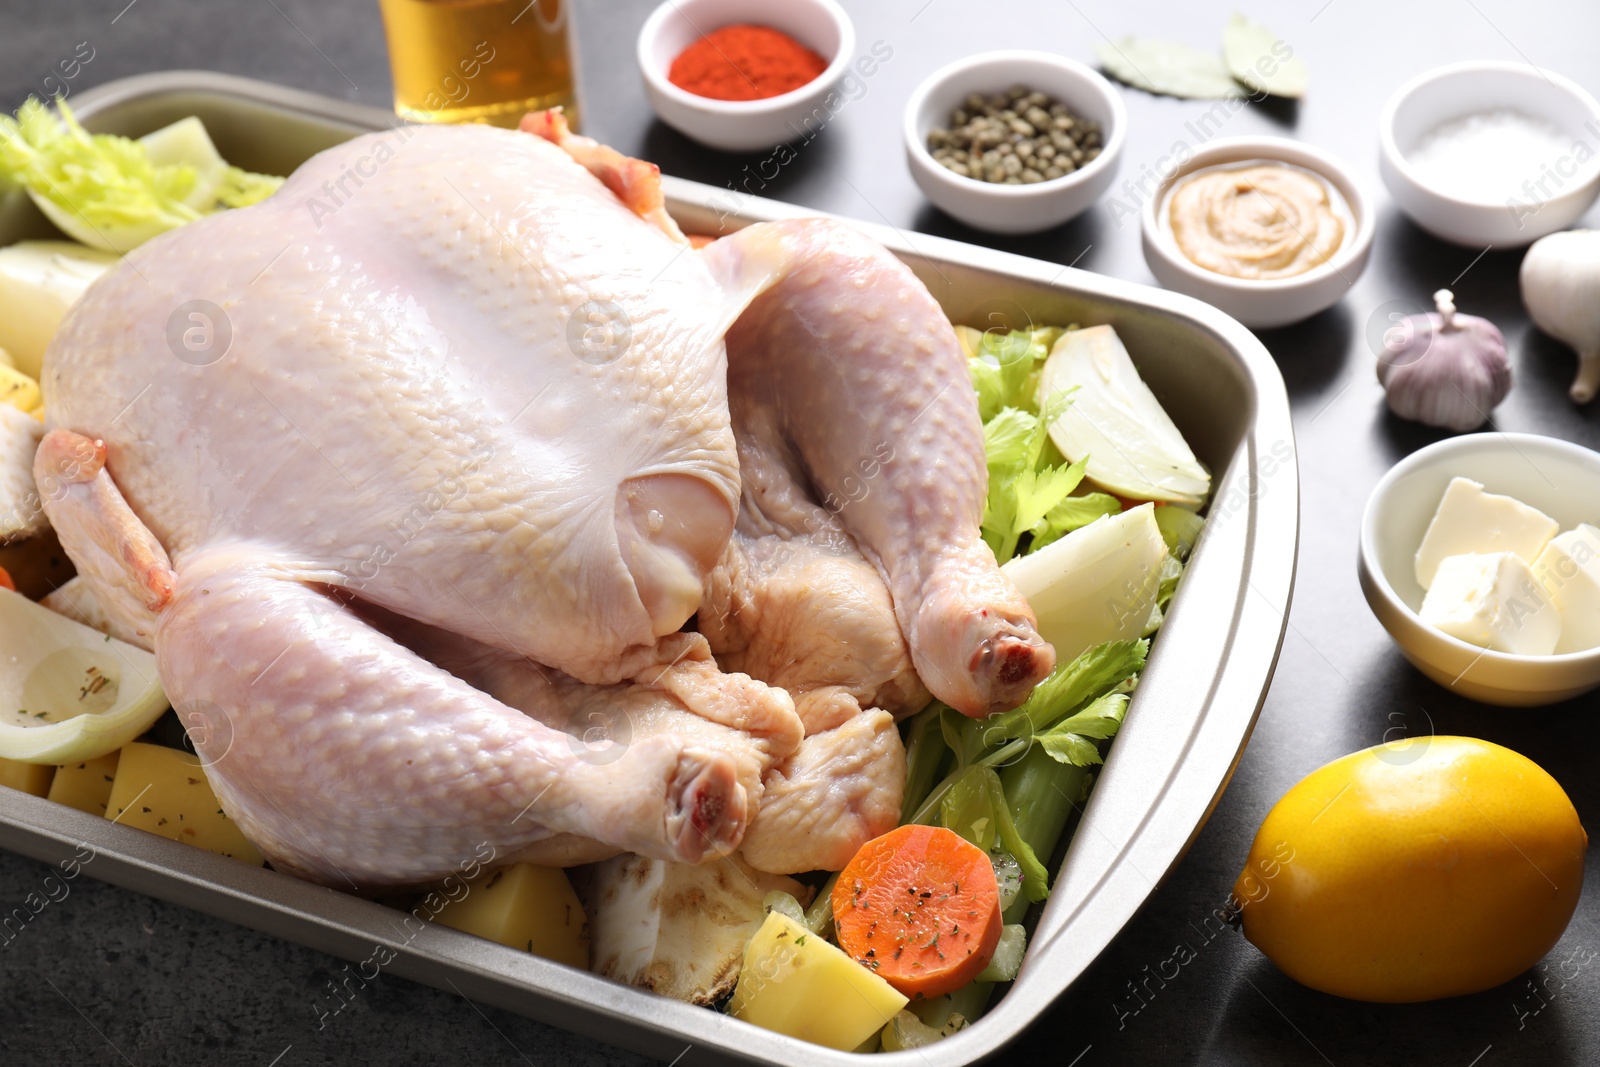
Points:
[(920, 907), (5, 580)]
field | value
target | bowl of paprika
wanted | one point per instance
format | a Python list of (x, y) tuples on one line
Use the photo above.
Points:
[(744, 76)]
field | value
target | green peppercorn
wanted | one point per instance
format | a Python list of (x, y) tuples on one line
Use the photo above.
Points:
[(1018, 136)]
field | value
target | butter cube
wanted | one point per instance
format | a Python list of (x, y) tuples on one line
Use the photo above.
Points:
[(85, 785), (1491, 600), (525, 906), (1569, 570), (28, 777), (1470, 521), (164, 790)]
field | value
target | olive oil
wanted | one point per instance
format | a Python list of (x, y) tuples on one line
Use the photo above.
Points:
[(487, 61)]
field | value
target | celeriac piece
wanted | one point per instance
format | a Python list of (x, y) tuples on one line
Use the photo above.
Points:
[(1469, 520), (1569, 571), (527, 907), (796, 983), (86, 784), (67, 692), (28, 777), (679, 929), (39, 281), (164, 790), (1114, 419), (1098, 583), (1491, 600)]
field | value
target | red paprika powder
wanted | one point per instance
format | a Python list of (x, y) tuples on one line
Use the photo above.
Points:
[(745, 62)]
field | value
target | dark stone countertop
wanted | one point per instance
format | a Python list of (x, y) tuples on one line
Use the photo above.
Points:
[(108, 976)]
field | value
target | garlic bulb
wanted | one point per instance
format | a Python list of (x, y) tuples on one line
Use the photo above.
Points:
[(1561, 289), (1444, 369)]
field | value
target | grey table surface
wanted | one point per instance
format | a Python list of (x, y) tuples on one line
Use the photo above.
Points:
[(109, 976)]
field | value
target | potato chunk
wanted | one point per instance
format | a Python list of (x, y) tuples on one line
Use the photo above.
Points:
[(799, 984), (164, 790), (527, 907), (86, 785), (28, 777)]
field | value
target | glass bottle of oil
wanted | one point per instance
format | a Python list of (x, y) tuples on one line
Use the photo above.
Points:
[(489, 61)]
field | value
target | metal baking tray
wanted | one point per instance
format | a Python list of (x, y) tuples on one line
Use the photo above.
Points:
[(1188, 724)]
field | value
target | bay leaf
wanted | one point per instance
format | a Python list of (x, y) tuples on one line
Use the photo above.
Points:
[(1263, 60), (1167, 67)]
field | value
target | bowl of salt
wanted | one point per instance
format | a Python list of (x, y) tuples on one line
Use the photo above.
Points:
[(1491, 154)]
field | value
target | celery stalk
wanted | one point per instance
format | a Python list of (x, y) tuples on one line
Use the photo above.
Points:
[(1043, 795), (925, 752), (969, 1002), (819, 917)]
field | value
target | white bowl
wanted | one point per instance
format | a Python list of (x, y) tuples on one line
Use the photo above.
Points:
[(1015, 208), (1559, 478), (747, 125), (1460, 89), (1271, 301)]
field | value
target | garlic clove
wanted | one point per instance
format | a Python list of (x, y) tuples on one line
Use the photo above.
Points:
[(1445, 369)]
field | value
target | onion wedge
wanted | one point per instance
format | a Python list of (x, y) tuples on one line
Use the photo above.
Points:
[(1098, 583), (69, 693), (1114, 419)]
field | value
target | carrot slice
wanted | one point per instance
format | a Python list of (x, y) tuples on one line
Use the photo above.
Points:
[(920, 907), (5, 580)]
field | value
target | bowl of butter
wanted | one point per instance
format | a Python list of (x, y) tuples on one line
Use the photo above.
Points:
[(1480, 555)]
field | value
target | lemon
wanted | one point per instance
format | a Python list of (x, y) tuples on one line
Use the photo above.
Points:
[(1414, 870)]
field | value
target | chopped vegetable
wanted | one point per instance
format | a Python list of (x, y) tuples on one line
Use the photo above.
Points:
[(31, 778), (164, 791), (1005, 365), (524, 906), (1180, 529), (1007, 959), (779, 901), (1023, 486), (795, 982), (679, 929), (113, 193), (67, 692), (919, 906), (39, 282), (980, 745), (954, 1010), (19, 391), (1115, 423), (1100, 583), (1090, 675), (906, 1031), (86, 784)]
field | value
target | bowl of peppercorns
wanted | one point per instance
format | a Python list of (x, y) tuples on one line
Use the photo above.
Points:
[(1015, 141), (745, 76)]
